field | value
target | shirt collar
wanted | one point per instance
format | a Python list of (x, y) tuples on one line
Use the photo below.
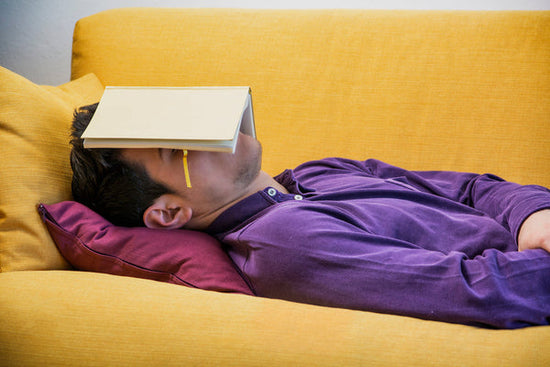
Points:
[(255, 203)]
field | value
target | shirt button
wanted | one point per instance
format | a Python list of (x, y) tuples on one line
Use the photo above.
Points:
[(271, 192), (298, 197)]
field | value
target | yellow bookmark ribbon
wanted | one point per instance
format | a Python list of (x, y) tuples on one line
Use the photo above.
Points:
[(186, 169)]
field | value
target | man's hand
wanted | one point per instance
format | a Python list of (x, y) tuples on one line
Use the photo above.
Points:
[(535, 231)]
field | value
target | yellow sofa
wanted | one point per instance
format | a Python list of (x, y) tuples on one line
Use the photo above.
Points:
[(454, 90)]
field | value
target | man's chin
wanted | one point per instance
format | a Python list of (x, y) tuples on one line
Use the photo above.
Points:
[(250, 156)]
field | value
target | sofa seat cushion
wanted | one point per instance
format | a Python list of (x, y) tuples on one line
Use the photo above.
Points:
[(74, 318)]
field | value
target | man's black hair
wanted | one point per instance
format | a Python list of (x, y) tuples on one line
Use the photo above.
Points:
[(114, 188)]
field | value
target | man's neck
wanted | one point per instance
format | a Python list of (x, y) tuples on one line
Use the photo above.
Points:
[(261, 181)]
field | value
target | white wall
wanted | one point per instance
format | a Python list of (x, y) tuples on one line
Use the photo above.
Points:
[(36, 35)]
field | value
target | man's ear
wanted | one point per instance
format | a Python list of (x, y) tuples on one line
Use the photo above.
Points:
[(167, 212)]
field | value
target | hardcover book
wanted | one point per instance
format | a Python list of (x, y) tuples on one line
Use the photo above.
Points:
[(186, 118)]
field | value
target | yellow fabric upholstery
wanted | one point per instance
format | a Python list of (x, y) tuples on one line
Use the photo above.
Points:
[(458, 90), (424, 90), (62, 318), (34, 165)]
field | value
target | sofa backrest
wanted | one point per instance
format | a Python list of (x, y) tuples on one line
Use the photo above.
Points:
[(456, 90)]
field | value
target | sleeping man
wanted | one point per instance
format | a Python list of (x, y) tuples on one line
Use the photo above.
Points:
[(361, 235)]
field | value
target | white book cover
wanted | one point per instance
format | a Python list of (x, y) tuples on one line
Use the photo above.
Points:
[(194, 118)]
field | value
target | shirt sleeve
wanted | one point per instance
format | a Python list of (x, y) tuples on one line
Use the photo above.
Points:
[(506, 202), (334, 264)]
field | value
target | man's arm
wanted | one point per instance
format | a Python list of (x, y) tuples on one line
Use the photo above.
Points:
[(334, 263), (524, 210), (512, 205)]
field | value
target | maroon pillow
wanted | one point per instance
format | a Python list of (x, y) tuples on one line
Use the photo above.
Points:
[(91, 243)]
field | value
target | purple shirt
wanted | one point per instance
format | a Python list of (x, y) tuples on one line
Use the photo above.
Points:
[(371, 236)]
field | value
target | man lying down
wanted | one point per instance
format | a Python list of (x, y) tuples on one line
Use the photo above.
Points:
[(448, 246)]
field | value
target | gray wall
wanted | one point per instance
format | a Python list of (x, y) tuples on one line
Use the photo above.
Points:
[(36, 35)]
